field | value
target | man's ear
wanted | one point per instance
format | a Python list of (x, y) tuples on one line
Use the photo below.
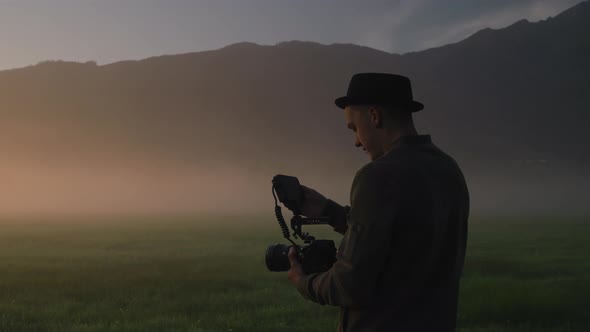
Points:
[(376, 117)]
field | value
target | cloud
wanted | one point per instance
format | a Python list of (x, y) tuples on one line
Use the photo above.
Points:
[(421, 24), (542, 9), (457, 31), (502, 17), (390, 25)]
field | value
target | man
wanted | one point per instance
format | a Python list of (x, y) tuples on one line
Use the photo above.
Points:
[(400, 260)]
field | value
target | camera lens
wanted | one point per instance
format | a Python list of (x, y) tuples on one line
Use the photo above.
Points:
[(277, 259)]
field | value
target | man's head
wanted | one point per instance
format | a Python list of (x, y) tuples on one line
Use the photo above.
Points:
[(376, 127)]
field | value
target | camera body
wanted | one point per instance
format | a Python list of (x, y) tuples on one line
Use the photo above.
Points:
[(316, 255)]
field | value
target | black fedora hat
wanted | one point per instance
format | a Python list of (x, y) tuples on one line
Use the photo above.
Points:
[(381, 89)]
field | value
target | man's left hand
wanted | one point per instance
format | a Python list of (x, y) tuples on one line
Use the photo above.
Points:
[(296, 271)]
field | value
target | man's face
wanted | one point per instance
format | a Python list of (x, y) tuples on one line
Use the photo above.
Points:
[(361, 121)]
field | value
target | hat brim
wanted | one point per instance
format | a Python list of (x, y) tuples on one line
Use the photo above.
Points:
[(342, 102)]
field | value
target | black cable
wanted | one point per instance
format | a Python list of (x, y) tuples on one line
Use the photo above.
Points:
[(281, 219)]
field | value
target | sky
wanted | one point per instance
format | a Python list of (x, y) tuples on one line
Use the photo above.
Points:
[(107, 31)]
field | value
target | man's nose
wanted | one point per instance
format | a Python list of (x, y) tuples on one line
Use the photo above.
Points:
[(357, 143)]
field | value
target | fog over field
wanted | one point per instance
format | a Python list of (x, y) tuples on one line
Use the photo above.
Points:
[(205, 132), (136, 195)]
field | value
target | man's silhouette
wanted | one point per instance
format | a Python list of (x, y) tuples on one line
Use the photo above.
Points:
[(400, 260)]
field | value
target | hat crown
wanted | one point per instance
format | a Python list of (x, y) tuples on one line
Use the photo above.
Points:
[(380, 85), (382, 89)]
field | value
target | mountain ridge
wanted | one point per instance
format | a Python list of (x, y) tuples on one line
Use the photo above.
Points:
[(509, 104), (572, 11)]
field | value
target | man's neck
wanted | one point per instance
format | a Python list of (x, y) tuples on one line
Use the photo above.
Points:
[(391, 138)]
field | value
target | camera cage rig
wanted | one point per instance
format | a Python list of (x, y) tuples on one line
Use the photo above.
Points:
[(297, 221)]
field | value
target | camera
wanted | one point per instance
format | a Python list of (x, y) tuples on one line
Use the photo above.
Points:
[(315, 255)]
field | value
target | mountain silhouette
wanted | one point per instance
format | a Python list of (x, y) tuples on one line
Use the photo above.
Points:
[(511, 105)]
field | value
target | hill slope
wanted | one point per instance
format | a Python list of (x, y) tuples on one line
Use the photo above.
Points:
[(186, 132)]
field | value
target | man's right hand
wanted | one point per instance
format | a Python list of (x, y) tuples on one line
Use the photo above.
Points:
[(313, 202)]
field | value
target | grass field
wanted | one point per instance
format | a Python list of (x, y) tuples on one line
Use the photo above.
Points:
[(209, 275)]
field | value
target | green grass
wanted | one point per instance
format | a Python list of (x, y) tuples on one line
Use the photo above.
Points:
[(209, 275)]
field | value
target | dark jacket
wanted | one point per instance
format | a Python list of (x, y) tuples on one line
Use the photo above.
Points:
[(400, 260)]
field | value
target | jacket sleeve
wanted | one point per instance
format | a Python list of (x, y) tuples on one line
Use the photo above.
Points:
[(338, 215), (363, 252)]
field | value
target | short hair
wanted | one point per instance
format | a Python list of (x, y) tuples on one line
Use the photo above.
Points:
[(399, 114)]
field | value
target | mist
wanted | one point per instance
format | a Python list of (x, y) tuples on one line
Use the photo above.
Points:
[(204, 133)]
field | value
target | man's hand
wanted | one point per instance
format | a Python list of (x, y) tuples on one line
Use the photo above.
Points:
[(313, 202), (296, 271)]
